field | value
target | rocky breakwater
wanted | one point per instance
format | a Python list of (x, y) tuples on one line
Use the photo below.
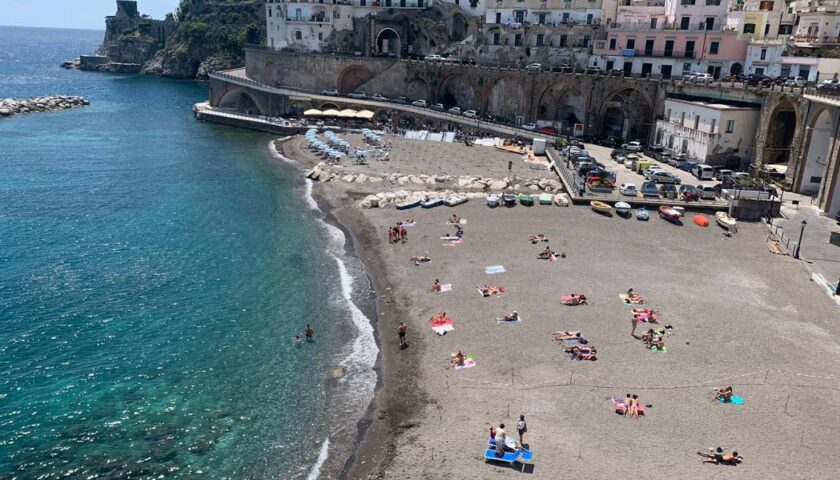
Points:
[(13, 106), (429, 187)]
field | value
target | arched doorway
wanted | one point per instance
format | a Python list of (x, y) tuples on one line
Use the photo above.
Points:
[(626, 115), (352, 77), (811, 171), (736, 69), (460, 26), (503, 98), (388, 42), (457, 90), (782, 127), (613, 124), (240, 101), (417, 89), (562, 103)]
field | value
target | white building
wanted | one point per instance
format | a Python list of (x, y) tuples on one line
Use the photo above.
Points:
[(708, 132)]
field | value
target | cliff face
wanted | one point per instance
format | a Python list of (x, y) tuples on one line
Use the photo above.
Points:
[(202, 35)]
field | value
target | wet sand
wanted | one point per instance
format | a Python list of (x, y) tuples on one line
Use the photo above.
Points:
[(741, 316)]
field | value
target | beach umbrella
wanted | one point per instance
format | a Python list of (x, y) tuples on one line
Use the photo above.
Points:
[(364, 114), (347, 113), (313, 112), (331, 113)]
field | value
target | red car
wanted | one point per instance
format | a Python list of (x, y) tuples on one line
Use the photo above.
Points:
[(547, 130)]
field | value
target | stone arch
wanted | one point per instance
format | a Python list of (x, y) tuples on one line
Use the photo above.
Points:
[(820, 129), (458, 90), (388, 42), (406, 120), (625, 113), (562, 102), (781, 131), (352, 77), (417, 88), (460, 27), (329, 105), (241, 101), (736, 69), (504, 98)]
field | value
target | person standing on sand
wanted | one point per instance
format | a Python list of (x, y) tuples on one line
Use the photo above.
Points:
[(521, 428), (309, 333), (401, 330), (403, 233), (500, 439)]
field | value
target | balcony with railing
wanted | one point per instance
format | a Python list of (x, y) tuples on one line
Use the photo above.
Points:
[(646, 52), (320, 19), (816, 39), (670, 27)]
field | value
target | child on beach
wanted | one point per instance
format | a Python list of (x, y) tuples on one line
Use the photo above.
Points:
[(521, 428)]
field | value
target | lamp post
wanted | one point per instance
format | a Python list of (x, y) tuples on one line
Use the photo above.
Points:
[(799, 245)]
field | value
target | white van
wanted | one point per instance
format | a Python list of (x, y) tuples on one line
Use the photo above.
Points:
[(703, 171), (706, 192)]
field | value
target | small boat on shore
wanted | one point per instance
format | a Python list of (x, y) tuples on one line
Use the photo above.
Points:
[(724, 220), (526, 200), (600, 207), (454, 200), (493, 200), (622, 208), (546, 199), (432, 203), (669, 213), (642, 214), (410, 203), (680, 210), (509, 199)]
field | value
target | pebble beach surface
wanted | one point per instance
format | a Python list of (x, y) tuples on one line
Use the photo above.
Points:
[(741, 316)]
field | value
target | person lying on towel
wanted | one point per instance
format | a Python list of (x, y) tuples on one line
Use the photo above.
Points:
[(418, 260), (537, 238), (718, 456), (560, 336), (546, 254), (458, 360), (582, 353), (487, 290), (513, 317), (436, 286), (455, 219), (575, 299), (633, 298)]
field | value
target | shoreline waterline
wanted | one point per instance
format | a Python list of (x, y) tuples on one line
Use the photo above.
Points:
[(363, 360)]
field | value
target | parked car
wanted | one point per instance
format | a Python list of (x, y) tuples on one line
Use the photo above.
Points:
[(702, 78), (648, 172), (759, 80), (706, 192), (357, 94), (676, 159), (467, 61), (533, 67), (740, 175), (630, 163), (688, 192), (649, 190), (419, 103), (634, 146), (703, 172), (668, 190), (470, 114), (618, 152), (378, 97), (331, 92), (564, 68), (654, 150), (628, 189), (593, 69), (829, 86), (455, 110), (547, 130), (795, 82), (661, 176), (528, 126), (664, 155), (439, 107), (433, 58), (400, 100), (723, 172)]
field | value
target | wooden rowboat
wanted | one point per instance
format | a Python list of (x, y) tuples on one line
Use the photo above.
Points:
[(725, 221), (600, 207)]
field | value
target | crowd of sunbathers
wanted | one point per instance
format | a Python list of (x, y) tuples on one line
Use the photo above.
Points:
[(630, 407), (487, 290), (574, 299), (398, 233), (576, 345), (537, 238)]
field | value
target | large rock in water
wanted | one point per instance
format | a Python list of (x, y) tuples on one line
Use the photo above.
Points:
[(5, 112)]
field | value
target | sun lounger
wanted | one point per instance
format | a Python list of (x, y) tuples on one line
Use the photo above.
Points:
[(509, 457)]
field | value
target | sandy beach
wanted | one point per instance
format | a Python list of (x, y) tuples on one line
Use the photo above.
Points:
[(741, 316)]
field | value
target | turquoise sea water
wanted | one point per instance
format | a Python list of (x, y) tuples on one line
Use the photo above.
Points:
[(153, 270)]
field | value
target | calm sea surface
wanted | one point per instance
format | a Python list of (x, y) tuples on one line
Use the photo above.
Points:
[(153, 271)]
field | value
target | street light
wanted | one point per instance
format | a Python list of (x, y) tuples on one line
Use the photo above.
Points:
[(799, 245)]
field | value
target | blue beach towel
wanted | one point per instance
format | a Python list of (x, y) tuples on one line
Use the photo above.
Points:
[(494, 269), (502, 320), (736, 400)]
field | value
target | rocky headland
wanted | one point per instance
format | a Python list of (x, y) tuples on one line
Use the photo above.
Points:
[(18, 106)]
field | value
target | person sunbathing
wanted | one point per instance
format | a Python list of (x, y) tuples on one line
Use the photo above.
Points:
[(458, 360), (547, 253), (438, 316), (537, 238), (633, 298), (513, 317), (575, 299), (657, 342), (560, 336), (436, 286), (582, 353), (718, 456), (455, 219), (724, 394), (418, 260)]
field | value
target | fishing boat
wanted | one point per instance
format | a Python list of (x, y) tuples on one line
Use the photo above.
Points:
[(492, 200), (622, 208), (454, 200), (431, 203), (509, 199), (642, 214), (669, 213), (546, 199), (408, 203), (724, 220), (680, 210), (526, 200), (600, 207)]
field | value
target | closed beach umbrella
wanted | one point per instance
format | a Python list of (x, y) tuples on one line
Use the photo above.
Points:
[(364, 114), (313, 112), (348, 113), (331, 113)]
